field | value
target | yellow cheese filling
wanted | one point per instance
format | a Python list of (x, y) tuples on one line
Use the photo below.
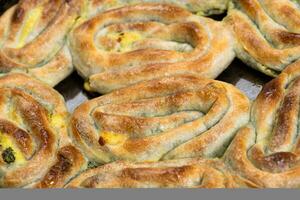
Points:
[(14, 116), (87, 86), (5, 143), (29, 24), (128, 39), (125, 40), (112, 138), (57, 121), (200, 13)]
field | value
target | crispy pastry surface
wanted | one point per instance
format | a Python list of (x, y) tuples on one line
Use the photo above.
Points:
[(146, 41), (168, 118), (201, 7), (160, 129), (187, 173), (266, 33), (33, 38), (267, 151), (34, 145)]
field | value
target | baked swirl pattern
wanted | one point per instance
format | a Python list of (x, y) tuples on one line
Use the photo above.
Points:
[(33, 38), (187, 173), (169, 118), (267, 33), (267, 151), (201, 7), (142, 42), (34, 146)]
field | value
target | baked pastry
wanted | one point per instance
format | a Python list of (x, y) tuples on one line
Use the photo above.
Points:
[(267, 151), (185, 173), (34, 146), (33, 38), (267, 33), (201, 7), (69, 162), (131, 44), (168, 118)]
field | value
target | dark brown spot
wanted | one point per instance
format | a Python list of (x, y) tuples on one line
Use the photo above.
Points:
[(101, 141), (57, 172), (289, 38), (277, 162), (270, 91), (281, 160), (91, 182), (165, 175), (18, 15), (284, 127)]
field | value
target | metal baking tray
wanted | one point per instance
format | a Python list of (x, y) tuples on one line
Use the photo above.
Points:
[(246, 79)]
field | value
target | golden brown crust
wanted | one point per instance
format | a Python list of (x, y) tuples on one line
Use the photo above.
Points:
[(186, 173), (33, 38), (69, 163), (128, 45), (168, 118), (201, 7), (267, 34), (33, 120), (267, 151)]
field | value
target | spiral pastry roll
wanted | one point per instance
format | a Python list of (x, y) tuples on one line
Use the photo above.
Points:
[(34, 146), (131, 44), (267, 151), (267, 33), (33, 38), (168, 118), (201, 7), (184, 173)]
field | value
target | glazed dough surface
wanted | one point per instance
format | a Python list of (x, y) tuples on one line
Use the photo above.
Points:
[(168, 118), (34, 145), (266, 33), (146, 41), (33, 38), (266, 151)]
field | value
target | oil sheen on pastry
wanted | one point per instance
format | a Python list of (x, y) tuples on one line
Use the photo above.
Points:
[(145, 41), (267, 33), (35, 150), (33, 38), (168, 118), (267, 151)]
